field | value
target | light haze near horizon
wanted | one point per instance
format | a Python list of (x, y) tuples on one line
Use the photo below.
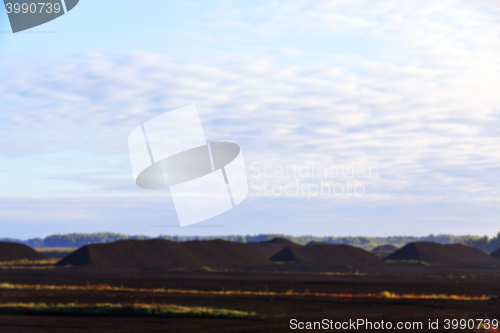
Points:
[(409, 89)]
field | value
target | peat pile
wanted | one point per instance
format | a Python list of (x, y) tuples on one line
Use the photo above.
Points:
[(326, 254), (273, 246), (496, 253), (442, 254), (383, 251), (15, 251), (159, 253)]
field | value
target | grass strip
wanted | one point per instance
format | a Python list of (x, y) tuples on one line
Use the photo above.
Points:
[(29, 264), (121, 309), (289, 293)]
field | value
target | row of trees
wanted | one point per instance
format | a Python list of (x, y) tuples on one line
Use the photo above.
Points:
[(76, 240)]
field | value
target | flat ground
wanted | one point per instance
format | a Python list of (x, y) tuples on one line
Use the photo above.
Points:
[(294, 296), (55, 252)]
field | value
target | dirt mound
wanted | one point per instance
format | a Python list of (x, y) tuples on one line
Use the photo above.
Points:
[(273, 246), (280, 240), (383, 251), (159, 253), (496, 253), (224, 253), (327, 255), (15, 251), (442, 253), (384, 248)]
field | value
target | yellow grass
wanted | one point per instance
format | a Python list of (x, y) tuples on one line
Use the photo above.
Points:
[(29, 264), (290, 293), (108, 308)]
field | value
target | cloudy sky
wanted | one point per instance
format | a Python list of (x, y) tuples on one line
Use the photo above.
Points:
[(392, 106)]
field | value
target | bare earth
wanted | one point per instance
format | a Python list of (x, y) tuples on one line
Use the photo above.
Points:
[(273, 313)]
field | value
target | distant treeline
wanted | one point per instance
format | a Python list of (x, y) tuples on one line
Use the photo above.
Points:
[(76, 240)]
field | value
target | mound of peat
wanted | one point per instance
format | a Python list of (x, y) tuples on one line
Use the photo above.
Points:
[(383, 251), (273, 246), (496, 253), (15, 251), (159, 253), (442, 254), (385, 248), (327, 254)]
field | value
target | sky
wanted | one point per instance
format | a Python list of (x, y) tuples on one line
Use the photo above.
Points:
[(361, 118)]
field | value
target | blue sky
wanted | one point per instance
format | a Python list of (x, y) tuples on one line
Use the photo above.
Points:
[(410, 89)]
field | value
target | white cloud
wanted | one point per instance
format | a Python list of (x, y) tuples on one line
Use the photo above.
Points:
[(424, 109)]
